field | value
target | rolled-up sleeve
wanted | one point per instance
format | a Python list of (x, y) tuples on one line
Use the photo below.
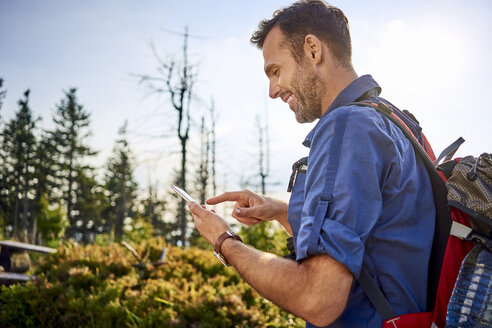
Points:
[(343, 188)]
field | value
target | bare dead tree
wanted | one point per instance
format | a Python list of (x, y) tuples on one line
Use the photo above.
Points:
[(264, 152), (203, 172), (177, 79), (213, 120)]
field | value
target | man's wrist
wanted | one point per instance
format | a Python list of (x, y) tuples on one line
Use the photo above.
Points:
[(220, 241)]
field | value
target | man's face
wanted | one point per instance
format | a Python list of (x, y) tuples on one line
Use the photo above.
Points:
[(297, 84)]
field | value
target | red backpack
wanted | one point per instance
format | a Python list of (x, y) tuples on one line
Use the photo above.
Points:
[(463, 220)]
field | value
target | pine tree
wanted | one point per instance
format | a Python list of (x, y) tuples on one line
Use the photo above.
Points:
[(153, 208), (88, 208), (120, 183), (45, 165), (72, 152), (17, 179)]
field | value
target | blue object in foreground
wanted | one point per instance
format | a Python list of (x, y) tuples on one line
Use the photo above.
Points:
[(471, 302)]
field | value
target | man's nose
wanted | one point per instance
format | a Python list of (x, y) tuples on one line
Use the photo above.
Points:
[(274, 91)]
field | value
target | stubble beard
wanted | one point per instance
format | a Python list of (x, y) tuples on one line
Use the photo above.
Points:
[(308, 89)]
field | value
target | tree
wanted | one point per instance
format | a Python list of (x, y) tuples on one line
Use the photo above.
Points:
[(88, 208), (44, 171), (120, 184), (71, 130), (267, 235), (18, 153), (213, 120), (202, 176), (203, 173), (3, 93), (206, 173), (177, 79), (264, 154), (90, 204), (153, 208)]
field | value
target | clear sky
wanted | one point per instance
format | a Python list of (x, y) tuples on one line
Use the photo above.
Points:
[(431, 57)]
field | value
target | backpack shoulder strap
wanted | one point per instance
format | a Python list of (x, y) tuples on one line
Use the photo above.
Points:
[(375, 295)]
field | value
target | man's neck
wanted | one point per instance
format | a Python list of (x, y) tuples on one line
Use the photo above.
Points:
[(336, 80)]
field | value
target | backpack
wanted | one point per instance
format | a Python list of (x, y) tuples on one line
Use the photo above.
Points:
[(459, 291)]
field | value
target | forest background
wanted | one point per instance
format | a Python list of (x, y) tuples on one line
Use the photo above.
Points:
[(99, 58)]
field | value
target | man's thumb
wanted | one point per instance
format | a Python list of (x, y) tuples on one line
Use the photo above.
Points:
[(195, 208), (243, 212)]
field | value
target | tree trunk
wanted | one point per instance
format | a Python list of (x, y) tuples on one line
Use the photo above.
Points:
[(24, 211), (70, 190), (16, 213), (183, 184)]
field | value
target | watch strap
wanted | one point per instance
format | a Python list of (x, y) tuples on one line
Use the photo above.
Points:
[(220, 240)]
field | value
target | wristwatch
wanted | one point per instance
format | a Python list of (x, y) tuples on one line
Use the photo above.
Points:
[(220, 241)]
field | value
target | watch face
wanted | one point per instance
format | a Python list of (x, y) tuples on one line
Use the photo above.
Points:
[(221, 258)]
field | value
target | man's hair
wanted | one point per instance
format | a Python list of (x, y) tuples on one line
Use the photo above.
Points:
[(305, 17)]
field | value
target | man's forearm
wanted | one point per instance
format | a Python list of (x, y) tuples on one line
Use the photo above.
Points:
[(315, 289)]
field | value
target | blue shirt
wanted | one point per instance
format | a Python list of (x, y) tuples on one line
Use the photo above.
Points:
[(365, 200)]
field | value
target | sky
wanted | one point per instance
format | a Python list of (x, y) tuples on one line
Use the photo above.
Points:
[(430, 57)]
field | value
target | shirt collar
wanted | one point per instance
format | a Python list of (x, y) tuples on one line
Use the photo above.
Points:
[(360, 88)]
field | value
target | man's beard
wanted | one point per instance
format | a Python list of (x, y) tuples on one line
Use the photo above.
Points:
[(308, 88)]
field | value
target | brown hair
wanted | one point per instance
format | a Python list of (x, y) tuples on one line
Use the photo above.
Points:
[(305, 17)]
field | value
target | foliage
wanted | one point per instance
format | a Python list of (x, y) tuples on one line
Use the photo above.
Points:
[(138, 230), (51, 222), (17, 152), (94, 286), (154, 207), (45, 165), (88, 208), (266, 236)]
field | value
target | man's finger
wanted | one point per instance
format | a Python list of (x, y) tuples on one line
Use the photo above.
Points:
[(230, 196)]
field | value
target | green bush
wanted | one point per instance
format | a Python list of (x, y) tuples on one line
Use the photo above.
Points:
[(266, 236), (96, 286)]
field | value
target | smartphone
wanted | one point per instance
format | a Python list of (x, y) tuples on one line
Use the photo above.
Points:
[(183, 194)]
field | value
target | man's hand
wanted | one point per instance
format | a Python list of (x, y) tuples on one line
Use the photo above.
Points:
[(208, 223), (251, 208)]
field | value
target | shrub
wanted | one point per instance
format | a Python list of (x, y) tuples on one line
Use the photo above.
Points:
[(97, 286)]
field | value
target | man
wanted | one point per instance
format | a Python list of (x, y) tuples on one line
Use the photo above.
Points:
[(365, 200)]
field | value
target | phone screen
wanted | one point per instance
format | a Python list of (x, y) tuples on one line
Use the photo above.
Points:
[(182, 193)]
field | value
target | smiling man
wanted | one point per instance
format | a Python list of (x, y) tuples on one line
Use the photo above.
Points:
[(355, 206)]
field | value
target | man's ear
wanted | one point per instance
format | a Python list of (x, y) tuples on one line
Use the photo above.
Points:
[(312, 48)]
